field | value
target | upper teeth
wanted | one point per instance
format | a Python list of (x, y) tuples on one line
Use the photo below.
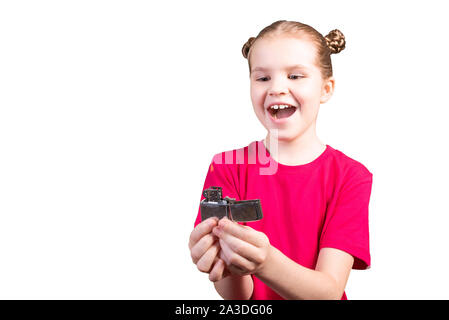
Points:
[(279, 106)]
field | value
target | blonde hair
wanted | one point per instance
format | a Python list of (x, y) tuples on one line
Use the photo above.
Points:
[(333, 43)]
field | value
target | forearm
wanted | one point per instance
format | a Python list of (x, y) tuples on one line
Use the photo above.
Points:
[(235, 287), (293, 281)]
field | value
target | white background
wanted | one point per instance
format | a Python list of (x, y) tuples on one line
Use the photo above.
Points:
[(110, 112)]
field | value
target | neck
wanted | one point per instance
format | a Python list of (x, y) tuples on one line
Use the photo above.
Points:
[(297, 151)]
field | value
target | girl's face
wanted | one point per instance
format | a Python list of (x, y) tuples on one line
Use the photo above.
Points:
[(283, 71)]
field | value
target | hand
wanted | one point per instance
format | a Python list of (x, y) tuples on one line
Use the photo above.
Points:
[(204, 249), (244, 249)]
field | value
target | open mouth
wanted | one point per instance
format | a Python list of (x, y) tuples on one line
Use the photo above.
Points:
[(281, 111)]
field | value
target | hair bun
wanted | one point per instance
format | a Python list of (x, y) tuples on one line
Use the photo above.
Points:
[(247, 46), (335, 41)]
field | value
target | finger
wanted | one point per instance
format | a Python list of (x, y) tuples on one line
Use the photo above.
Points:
[(201, 247), (201, 230), (236, 270), (205, 262), (222, 256), (243, 232), (235, 259), (229, 268), (239, 246), (217, 272)]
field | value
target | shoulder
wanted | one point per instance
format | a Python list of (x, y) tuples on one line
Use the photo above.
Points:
[(348, 167), (225, 170), (234, 157)]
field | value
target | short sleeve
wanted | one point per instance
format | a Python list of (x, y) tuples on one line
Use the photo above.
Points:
[(220, 175), (346, 223)]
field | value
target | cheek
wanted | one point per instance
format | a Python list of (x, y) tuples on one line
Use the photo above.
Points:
[(309, 98), (257, 100), (256, 93)]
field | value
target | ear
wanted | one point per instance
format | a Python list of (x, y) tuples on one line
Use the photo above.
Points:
[(327, 89)]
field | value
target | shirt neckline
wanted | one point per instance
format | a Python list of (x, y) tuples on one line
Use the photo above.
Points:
[(308, 165)]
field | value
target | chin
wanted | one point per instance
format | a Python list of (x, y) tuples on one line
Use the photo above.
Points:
[(284, 135)]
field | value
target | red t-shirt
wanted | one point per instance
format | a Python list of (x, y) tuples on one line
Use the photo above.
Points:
[(323, 203)]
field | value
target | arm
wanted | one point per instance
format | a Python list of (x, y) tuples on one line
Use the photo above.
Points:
[(293, 281), (251, 252), (235, 287)]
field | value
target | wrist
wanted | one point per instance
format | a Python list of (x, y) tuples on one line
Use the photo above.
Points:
[(265, 266)]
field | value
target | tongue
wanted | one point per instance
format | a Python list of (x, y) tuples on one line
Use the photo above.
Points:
[(285, 113)]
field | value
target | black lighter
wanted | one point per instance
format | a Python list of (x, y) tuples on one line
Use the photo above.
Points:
[(215, 206)]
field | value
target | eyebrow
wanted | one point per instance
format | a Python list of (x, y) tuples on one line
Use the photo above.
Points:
[(296, 66)]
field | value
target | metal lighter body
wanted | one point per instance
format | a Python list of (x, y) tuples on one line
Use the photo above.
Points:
[(214, 205)]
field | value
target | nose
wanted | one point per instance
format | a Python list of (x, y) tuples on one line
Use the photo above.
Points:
[(278, 87)]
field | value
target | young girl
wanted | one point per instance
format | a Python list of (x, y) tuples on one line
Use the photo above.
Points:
[(315, 201)]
